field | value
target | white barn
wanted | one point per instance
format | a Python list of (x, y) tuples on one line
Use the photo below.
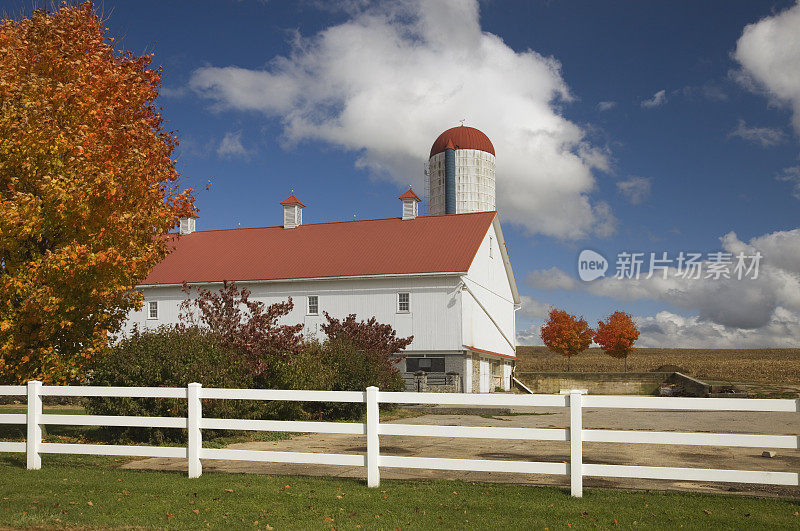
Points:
[(446, 280)]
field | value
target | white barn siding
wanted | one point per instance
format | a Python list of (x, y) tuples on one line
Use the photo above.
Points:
[(488, 280), (434, 318)]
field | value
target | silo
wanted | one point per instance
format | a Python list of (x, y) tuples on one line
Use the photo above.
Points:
[(461, 172)]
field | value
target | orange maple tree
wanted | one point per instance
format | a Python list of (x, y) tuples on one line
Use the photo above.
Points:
[(88, 187), (566, 334), (616, 335)]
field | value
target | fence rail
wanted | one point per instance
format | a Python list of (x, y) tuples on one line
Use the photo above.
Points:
[(372, 460)]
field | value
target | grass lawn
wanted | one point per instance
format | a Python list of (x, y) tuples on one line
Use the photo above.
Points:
[(84, 491)]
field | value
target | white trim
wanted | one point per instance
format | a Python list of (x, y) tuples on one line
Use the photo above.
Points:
[(150, 310), (308, 304), (276, 280), (408, 302), (501, 242)]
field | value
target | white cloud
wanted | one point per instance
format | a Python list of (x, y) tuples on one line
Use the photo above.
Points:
[(769, 52), (606, 105), (764, 136), (635, 189), (531, 336), (387, 81), (670, 330), (533, 308), (231, 146), (792, 175), (709, 91), (553, 278), (659, 98), (781, 249), (739, 306)]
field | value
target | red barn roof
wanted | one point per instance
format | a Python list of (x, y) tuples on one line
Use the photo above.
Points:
[(462, 137), (426, 244)]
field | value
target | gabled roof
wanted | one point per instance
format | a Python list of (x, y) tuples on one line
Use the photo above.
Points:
[(426, 244)]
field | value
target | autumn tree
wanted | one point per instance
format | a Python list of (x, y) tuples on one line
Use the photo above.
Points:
[(566, 334), (616, 335), (377, 341), (250, 327), (87, 187)]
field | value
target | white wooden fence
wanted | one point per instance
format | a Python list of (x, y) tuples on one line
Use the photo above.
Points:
[(372, 429)]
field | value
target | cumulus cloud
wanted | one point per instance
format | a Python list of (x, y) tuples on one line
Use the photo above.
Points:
[(659, 98), (553, 278), (769, 52), (747, 304), (387, 81), (763, 136), (606, 105), (635, 189), (533, 308), (531, 336), (667, 329), (781, 249), (791, 175), (231, 146)]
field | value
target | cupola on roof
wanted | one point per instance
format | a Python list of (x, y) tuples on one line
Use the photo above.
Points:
[(292, 200), (462, 137), (409, 194)]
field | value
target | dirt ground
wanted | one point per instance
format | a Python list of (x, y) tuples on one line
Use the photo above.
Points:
[(772, 366), (603, 453)]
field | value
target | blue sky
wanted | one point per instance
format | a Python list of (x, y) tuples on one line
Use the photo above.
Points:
[(618, 126)]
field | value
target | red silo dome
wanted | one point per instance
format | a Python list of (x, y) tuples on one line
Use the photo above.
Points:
[(463, 137)]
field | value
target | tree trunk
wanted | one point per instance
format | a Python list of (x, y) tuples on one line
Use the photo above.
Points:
[(626, 363)]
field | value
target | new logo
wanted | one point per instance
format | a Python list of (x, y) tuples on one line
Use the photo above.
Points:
[(591, 265)]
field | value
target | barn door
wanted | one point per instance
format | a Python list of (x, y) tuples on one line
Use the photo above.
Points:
[(485, 376)]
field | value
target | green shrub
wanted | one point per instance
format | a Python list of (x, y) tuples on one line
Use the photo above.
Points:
[(172, 357), (338, 365), (178, 355)]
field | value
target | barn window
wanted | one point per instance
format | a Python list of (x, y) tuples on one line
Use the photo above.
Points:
[(152, 310), (425, 364), (403, 302), (313, 305)]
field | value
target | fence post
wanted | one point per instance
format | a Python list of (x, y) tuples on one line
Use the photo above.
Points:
[(195, 435), (34, 439), (373, 446), (575, 443)]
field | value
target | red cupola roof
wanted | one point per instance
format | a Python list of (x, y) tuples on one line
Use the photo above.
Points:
[(462, 137), (410, 195), (292, 200)]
